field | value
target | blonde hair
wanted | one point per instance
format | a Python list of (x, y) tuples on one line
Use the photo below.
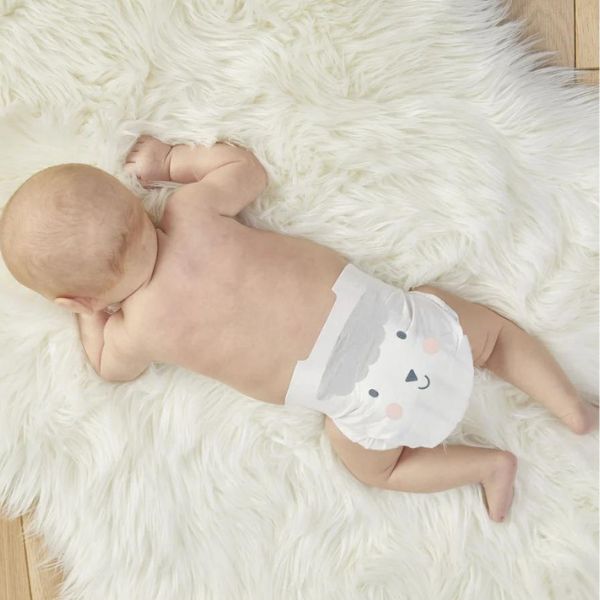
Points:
[(67, 229)]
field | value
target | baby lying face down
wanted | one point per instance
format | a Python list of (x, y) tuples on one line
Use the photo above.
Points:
[(279, 318)]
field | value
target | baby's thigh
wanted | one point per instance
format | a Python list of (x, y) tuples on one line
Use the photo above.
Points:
[(480, 324), (372, 467)]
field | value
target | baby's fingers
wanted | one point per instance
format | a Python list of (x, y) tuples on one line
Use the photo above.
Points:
[(143, 140), (139, 143), (135, 151)]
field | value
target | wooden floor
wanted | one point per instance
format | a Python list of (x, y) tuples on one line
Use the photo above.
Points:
[(567, 26)]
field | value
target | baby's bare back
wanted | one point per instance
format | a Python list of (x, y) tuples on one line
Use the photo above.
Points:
[(235, 303)]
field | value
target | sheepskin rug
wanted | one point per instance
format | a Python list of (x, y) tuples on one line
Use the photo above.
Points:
[(423, 139)]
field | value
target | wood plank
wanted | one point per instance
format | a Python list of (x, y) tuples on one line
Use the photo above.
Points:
[(14, 580), (589, 76), (44, 580), (586, 34), (554, 23)]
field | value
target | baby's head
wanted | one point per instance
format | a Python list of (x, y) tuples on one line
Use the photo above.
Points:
[(79, 237)]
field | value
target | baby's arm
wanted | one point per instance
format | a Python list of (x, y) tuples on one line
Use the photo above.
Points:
[(226, 177), (105, 348), (91, 331)]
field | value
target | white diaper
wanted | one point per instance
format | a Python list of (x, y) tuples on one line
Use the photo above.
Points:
[(391, 368)]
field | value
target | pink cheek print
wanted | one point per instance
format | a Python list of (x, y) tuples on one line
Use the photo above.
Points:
[(393, 411), (431, 345)]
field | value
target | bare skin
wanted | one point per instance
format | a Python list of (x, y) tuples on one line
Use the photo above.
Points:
[(247, 301), (243, 305)]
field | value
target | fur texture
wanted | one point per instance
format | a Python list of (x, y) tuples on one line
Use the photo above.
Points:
[(422, 139)]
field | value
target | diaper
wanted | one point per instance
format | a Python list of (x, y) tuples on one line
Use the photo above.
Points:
[(391, 368)]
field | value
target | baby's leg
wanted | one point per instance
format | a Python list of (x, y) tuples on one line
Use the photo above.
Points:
[(505, 349), (431, 469)]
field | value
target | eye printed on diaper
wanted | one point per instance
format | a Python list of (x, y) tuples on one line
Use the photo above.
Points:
[(430, 345)]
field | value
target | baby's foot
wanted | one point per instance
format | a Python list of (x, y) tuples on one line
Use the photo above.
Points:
[(582, 421), (498, 485)]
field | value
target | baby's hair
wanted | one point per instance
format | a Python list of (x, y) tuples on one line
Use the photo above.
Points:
[(67, 229)]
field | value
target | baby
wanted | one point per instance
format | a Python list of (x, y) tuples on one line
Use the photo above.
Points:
[(279, 318)]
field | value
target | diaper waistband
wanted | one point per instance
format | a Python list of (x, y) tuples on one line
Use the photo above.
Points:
[(349, 287)]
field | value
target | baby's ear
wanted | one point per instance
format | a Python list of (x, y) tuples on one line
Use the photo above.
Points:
[(77, 305)]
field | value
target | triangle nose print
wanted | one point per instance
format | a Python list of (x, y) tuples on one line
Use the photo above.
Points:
[(411, 376)]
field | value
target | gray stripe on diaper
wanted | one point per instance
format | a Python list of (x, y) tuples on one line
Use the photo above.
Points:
[(357, 347)]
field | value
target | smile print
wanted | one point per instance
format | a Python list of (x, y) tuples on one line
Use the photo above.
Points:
[(430, 345)]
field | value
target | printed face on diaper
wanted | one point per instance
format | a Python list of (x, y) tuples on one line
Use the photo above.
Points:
[(390, 355), (407, 368), (430, 345)]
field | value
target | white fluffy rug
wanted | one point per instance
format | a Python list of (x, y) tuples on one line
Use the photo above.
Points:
[(421, 139)]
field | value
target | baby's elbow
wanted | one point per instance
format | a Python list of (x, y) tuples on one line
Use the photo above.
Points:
[(115, 371), (110, 378), (107, 375), (120, 377), (258, 178), (263, 174)]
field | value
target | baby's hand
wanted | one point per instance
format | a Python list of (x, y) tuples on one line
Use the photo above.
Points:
[(149, 160)]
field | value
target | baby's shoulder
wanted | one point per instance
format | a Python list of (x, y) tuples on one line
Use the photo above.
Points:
[(181, 211)]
